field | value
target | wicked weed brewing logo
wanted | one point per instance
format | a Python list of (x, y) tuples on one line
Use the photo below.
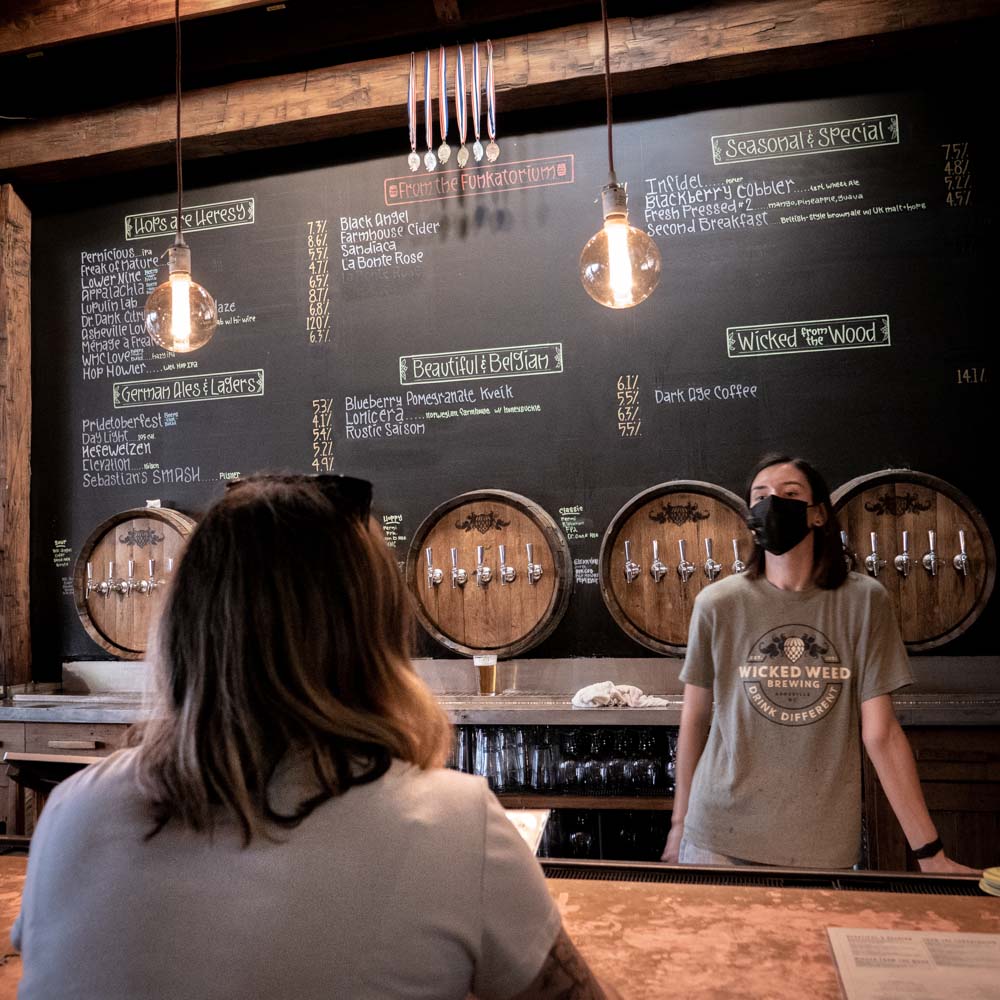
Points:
[(793, 675)]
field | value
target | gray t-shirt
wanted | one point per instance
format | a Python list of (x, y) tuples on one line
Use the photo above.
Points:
[(779, 781), (416, 886)]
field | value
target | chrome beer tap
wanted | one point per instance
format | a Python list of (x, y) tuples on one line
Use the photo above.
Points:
[(712, 568), (118, 586), (459, 577), (873, 564), (148, 585), (103, 587), (434, 574), (90, 582), (657, 569), (483, 573), (534, 569), (738, 564), (130, 580), (903, 561), (930, 559), (685, 569), (507, 573), (961, 561), (632, 569)]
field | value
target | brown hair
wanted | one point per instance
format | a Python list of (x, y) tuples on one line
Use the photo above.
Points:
[(286, 628), (829, 563)]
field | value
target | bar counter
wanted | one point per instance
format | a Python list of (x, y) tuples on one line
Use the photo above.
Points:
[(512, 708), (654, 940)]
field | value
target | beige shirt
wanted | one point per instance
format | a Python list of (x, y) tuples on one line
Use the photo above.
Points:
[(413, 886), (779, 781)]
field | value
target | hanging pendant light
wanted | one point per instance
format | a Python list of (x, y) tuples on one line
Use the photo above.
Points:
[(180, 315), (620, 265)]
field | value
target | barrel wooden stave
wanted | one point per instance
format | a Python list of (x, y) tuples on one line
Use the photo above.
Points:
[(931, 610), (502, 619), (657, 615), (120, 623)]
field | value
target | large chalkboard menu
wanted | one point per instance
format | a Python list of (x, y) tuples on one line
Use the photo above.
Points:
[(825, 291)]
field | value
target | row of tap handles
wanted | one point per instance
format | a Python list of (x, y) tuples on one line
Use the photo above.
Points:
[(930, 560), (685, 569), (126, 585), (484, 573)]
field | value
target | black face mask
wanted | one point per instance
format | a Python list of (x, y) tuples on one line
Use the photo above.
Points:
[(779, 523)]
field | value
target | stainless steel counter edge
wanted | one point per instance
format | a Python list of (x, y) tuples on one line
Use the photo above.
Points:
[(544, 710)]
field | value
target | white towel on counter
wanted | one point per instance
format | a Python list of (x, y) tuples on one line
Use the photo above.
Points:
[(607, 694)]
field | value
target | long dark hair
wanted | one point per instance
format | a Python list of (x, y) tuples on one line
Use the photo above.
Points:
[(829, 564), (285, 630)]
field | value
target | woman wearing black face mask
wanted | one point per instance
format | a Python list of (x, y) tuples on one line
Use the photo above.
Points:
[(800, 657)]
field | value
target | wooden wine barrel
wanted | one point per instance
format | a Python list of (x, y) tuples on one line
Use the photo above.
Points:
[(504, 619), (932, 610), (119, 622), (657, 613)]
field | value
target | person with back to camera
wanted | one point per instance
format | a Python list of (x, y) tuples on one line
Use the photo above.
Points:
[(283, 827), (799, 655)]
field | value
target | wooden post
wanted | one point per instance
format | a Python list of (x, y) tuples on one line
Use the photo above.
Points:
[(15, 437)]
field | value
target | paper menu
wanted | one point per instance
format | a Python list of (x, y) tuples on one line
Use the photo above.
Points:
[(916, 965)]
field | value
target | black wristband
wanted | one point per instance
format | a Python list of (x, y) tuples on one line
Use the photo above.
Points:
[(929, 850)]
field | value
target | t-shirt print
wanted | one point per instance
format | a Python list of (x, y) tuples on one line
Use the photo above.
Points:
[(793, 676)]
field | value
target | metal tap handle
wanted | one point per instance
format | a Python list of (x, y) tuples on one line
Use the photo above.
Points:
[(534, 569), (657, 569), (930, 559), (711, 567), (152, 568), (738, 564), (632, 569), (683, 548), (961, 561), (872, 562), (507, 573), (111, 570), (434, 575), (902, 561), (170, 564), (458, 576), (131, 569), (483, 572)]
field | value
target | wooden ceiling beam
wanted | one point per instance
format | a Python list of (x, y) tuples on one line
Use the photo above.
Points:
[(31, 25), (710, 42)]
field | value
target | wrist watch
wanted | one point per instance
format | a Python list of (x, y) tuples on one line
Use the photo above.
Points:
[(928, 850)]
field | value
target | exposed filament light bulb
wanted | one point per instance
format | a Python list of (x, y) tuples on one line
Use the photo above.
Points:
[(620, 265), (180, 315)]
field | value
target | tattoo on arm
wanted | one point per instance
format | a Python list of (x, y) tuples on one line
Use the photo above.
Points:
[(564, 976)]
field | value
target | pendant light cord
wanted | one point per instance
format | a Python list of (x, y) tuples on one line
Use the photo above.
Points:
[(179, 238), (607, 86)]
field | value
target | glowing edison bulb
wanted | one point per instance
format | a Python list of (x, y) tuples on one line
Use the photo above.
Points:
[(620, 265), (180, 314)]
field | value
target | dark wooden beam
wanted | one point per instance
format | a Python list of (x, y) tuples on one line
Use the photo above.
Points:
[(564, 65), (15, 436), (30, 25)]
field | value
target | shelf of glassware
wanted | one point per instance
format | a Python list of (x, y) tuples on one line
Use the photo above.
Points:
[(514, 800), (572, 767)]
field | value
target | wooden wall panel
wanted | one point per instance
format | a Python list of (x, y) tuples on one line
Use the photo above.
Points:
[(15, 435), (705, 43)]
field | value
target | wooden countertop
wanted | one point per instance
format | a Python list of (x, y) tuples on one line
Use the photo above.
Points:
[(657, 940)]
